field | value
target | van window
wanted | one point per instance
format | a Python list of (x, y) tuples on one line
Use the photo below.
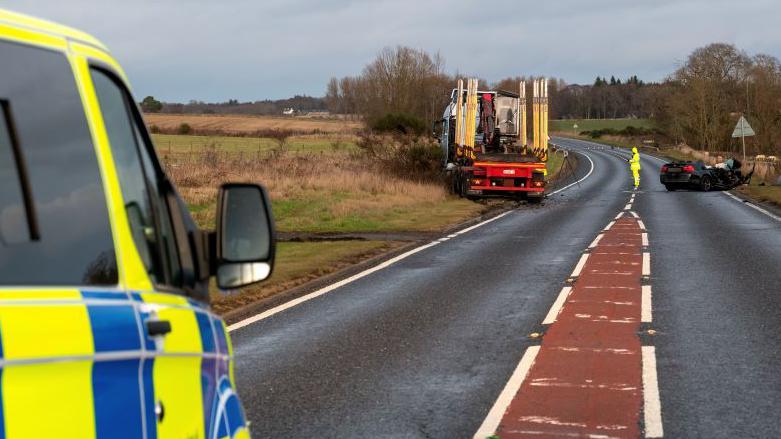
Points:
[(147, 212), (44, 120)]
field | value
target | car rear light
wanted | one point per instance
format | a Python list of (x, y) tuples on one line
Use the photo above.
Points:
[(688, 168), (664, 169)]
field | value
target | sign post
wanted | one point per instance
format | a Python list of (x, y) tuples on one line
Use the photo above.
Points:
[(743, 130)]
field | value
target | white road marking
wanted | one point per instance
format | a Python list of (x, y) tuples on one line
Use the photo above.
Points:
[(609, 225), (620, 214), (652, 406), (555, 309), (491, 422), (646, 264), (596, 240), (590, 171), (634, 214), (579, 267), (270, 312), (753, 206), (452, 235), (646, 309), (641, 224), (644, 237), (628, 206)]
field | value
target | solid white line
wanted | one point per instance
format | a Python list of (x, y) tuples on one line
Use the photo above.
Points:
[(641, 224), (590, 171), (646, 264), (628, 206), (596, 241), (646, 308), (644, 237), (268, 313), (491, 422), (609, 225), (579, 267), (753, 206), (555, 309), (620, 214), (652, 406), (634, 214)]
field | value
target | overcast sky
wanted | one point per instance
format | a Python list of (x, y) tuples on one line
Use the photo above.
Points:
[(250, 50)]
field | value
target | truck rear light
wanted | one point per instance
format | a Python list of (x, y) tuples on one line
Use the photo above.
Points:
[(477, 182), (664, 169), (688, 168), (538, 183)]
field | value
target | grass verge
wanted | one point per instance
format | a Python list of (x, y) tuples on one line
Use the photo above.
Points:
[(300, 262), (566, 125)]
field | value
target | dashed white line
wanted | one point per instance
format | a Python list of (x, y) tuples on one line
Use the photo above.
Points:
[(581, 264), (628, 206), (644, 237), (652, 406), (634, 214), (596, 240), (646, 308), (287, 305), (555, 309), (619, 216), (646, 264), (609, 225), (491, 422), (641, 224)]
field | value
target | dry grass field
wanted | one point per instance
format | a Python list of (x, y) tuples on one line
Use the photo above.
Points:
[(243, 124)]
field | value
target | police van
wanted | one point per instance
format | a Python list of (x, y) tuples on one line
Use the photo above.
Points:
[(105, 328)]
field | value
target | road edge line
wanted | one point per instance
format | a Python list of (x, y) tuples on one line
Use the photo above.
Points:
[(495, 415), (753, 206), (590, 171), (652, 405), (299, 300), (558, 304)]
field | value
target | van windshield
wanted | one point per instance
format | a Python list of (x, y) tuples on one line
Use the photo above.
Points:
[(45, 146)]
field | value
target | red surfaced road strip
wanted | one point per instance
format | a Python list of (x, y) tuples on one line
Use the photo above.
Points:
[(587, 377)]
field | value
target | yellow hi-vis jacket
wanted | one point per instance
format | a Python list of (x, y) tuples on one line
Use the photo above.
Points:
[(634, 162)]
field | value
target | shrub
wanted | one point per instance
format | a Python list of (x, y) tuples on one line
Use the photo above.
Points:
[(154, 129), (409, 157), (184, 128), (399, 123)]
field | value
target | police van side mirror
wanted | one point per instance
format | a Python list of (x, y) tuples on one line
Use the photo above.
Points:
[(245, 238)]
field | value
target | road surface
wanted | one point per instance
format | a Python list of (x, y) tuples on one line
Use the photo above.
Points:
[(424, 346)]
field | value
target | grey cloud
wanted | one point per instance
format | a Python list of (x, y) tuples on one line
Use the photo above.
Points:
[(181, 50)]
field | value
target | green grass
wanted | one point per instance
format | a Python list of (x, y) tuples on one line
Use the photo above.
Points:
[(343, 212), (566, 125), (297, 263), (179, 144), (767, 193), (554, 164)]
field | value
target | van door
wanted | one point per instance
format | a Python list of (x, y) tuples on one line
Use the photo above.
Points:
[(180, 375), (70, 340)]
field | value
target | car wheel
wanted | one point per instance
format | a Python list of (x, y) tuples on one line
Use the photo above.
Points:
[(670, 187), (705, 184)]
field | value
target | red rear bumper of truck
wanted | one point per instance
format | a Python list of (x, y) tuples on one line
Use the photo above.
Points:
[(497, 178)]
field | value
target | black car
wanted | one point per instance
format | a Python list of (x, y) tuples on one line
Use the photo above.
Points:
[(697, 175)]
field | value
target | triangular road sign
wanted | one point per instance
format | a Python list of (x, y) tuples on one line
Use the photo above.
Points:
[(743, 129)]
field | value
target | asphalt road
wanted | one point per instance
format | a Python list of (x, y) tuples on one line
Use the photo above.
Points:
[(423, 347)]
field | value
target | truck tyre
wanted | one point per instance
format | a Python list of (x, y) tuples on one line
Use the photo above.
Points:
[(705, 183), (670, 187), (534, 200)]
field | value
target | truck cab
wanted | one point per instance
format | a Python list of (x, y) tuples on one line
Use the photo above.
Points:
[(105, 325)]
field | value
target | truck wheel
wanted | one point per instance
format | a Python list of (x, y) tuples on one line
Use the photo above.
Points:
[(670, 187), (705, 184)]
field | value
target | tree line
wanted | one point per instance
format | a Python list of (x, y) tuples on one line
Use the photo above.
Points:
[(698, 104), (232, 106)]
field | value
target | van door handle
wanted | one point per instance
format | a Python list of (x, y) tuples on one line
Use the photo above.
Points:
[(158, 327)]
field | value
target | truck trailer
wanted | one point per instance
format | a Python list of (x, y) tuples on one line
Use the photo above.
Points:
[(483, 136)]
